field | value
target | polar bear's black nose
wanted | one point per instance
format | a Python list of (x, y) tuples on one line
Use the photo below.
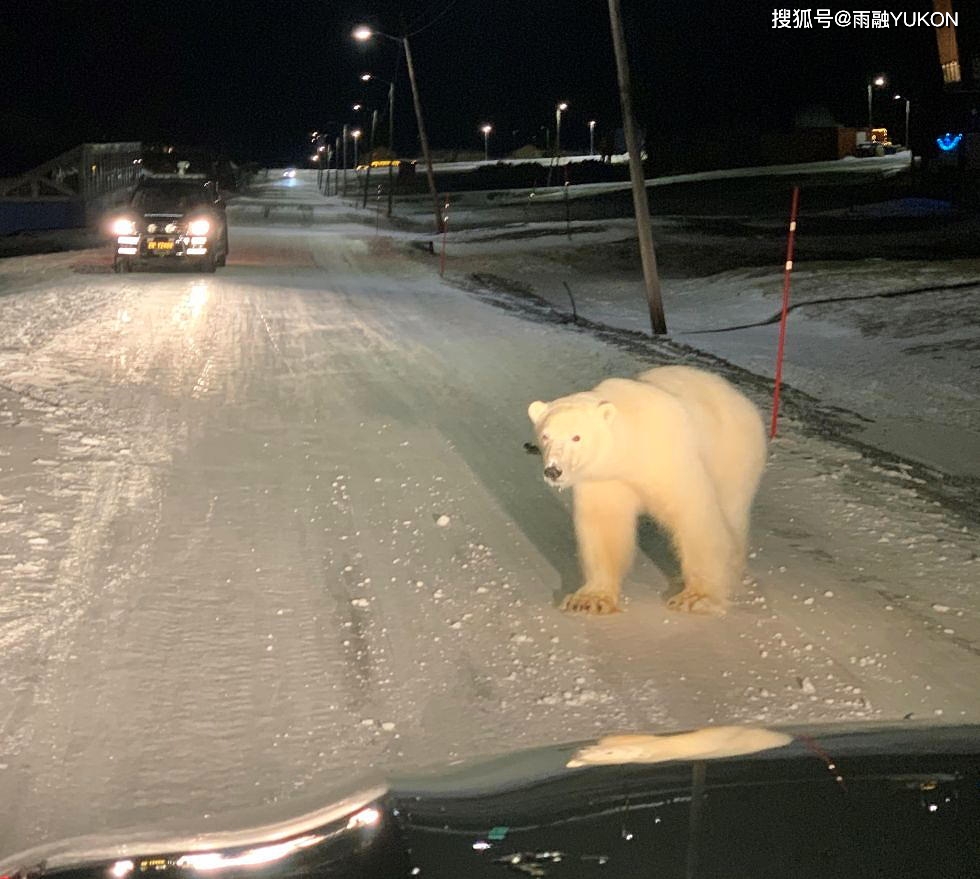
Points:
[(552, 472)]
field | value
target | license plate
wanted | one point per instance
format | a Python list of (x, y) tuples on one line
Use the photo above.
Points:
[(159, 245)]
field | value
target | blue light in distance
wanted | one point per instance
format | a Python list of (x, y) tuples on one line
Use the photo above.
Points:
[(947, 144)]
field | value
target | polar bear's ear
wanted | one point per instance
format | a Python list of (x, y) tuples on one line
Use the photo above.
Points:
[(536, 411), (607, 410)]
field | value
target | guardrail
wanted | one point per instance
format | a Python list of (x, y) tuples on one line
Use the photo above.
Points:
[(69, 190)]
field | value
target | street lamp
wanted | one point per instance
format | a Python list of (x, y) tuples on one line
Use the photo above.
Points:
[(363, 33), (486, 129), (592, 137), (344, 137), (368, 77), (357, 107), (561, 108), (878, 81), (356, 134), (908, 104)]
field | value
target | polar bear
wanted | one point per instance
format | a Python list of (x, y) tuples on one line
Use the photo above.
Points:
[(679, 444)]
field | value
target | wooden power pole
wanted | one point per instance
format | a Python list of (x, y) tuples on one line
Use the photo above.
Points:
[(422, 137), (641, 208)]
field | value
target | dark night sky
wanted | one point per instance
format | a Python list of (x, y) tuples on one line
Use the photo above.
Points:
[(253, 76)]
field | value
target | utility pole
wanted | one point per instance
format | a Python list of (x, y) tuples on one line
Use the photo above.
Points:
[(367, 174), (391, 143), (344, 136), (422, 137), (558, 133), (641, 208)]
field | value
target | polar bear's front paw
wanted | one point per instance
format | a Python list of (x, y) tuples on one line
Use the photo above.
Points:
[(696, 602), (589, 600)]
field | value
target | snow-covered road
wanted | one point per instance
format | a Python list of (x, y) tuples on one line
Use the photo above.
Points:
[(275, 526)]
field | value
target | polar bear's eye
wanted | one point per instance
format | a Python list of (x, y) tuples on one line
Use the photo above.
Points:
[(544, 436), (576, 438)]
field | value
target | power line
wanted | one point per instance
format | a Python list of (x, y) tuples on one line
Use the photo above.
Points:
[(427, 9), (448, 7)]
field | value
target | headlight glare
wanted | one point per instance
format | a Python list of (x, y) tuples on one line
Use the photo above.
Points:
[(199, 227), (123, 226)]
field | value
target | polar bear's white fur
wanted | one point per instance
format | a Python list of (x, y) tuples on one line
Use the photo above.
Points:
[(677, 443)]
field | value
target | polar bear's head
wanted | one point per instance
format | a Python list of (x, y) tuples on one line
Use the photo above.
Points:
[(574, 435)]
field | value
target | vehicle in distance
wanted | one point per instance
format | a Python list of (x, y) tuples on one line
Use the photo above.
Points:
[(173, 218)]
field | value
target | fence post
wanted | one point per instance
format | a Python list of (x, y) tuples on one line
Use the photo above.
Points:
[(787, 272)]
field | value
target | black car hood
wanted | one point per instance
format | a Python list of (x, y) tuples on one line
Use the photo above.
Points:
[(869, 800)]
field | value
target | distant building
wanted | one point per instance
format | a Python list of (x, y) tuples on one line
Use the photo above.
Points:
[(949, 50), (952, 141)]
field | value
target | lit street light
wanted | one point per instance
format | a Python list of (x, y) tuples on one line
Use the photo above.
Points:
[(486, 129), (561, 108), (362, 33), (356, 134), (592, 137), (368, 77), (878, 81), (908, 104), (344, 137)]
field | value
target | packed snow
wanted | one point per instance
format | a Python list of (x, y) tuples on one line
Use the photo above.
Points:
[(276, 527)]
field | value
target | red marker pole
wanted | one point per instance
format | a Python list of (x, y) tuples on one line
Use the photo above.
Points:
[(445, 229), (787, 272)]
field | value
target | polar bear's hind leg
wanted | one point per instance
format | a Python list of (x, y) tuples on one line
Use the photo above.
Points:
[(707, 547)]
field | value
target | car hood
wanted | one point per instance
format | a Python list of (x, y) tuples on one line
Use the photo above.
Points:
[(869, 800)]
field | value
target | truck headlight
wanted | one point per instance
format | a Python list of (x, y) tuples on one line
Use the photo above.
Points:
[(199, 227), (123, 226)]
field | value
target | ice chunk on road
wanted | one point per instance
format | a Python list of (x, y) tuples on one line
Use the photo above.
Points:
[(806, 685)]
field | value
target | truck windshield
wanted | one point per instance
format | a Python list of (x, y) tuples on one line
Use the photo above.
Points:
[(170, 196)]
